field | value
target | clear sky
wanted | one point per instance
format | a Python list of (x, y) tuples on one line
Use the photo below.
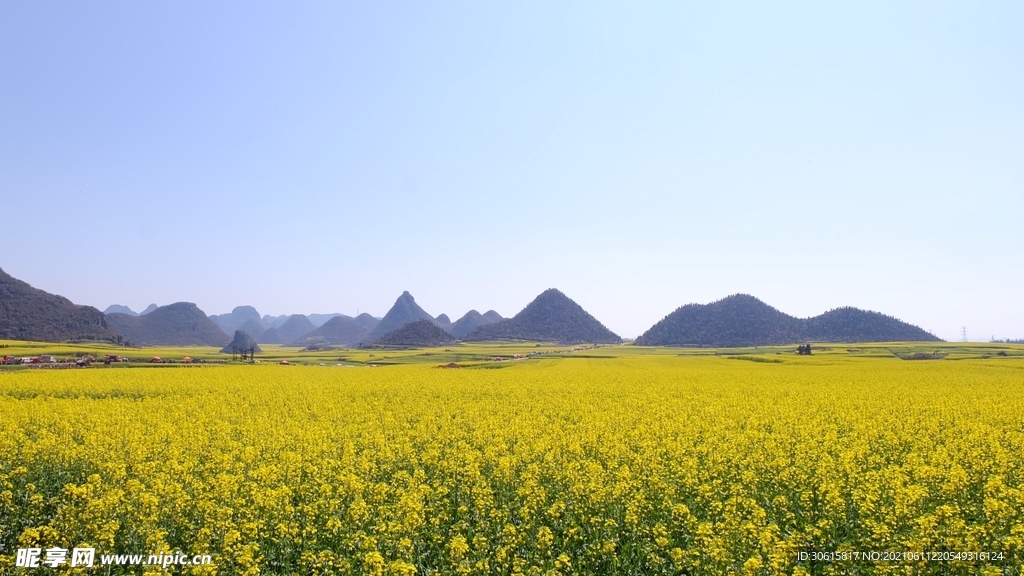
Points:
[(323, 157)]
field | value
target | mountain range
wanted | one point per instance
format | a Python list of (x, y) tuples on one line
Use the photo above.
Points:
[(247, 315), (27, 313), (339, 331)]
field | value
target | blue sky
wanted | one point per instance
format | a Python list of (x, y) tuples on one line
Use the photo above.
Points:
[(324, 157)]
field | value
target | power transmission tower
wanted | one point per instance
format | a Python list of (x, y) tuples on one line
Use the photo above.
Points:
[(963, 332)]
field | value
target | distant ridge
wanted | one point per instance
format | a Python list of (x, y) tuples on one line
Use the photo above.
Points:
[(443, 321), (368, 321), (319, 320), (27, 313), (421, 333), (178, 324), (552, 316), (233, 320), (254, 328), (296, 326), (148, 309), (242, 342), (119, 309), (269, 336), (743, 320), (404, 311), (471, 321), (275, 321), (340, 330), (316, 320)]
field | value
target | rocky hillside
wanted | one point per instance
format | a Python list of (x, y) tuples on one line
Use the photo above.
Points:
[(27, 313)]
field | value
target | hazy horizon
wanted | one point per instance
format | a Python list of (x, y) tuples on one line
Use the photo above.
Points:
[(325, 158)]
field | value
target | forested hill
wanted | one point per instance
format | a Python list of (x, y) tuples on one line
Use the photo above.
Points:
[(178, 324), (552, 316), (743, 320), (340, 330), (404, 311), (295, 327), (419, 333), (242, 342), (854, 325), (472, 320), (27, 313)]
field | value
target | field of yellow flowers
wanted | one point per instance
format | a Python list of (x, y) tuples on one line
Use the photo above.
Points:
[(629, 465)]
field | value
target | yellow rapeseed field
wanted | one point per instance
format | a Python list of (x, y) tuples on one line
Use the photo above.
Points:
[(629, 465)]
